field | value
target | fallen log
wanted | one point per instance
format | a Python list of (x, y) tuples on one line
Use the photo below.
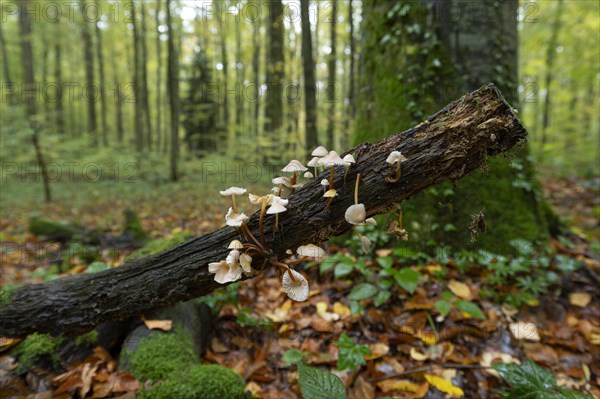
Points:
[(446, 146)]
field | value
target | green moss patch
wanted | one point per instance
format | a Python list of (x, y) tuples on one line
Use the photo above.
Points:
[(32, 349), (199, 382)]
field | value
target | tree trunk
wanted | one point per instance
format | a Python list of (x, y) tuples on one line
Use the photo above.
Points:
[(550, 52), (102, 82), (397, 84), (88, 46), (219, 5), (118, 99), (7, 79), (173, 86), (274, 76), (159, 131), (137, 79), (352, 63), (310, 96), (59, 109), (331, 88), (239, 69), (450, 144), (256, 69), (144, 88)]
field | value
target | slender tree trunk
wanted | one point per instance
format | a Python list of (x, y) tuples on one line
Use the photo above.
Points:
[(310, 97), (275, 74), (45, 67), (223, 45), (173, 85), (118, 99), (88, 46), (351, 72), (137, 79), (5, 67), (256, 69), (159, 131), (30, 85), (239, 104), (550, 53), (102, 82), (59, 109), (331, 87), (145, 91)]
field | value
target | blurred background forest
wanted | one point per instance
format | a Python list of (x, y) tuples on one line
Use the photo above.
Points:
[(235, 72)]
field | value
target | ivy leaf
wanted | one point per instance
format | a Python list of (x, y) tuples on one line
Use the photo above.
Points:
[(342, 270), (443, 307), (362, 291), (470, 308), (292, 356), (407, 279), (350, 354), (320, 384)]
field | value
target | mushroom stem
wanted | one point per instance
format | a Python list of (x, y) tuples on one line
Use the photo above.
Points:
[(356, 189), (280, 190), (285, 267), (261, 224), (357, 233), (233, 204), (331, 175), (396, 178), (316, 174), (250, 236), (293, 180)]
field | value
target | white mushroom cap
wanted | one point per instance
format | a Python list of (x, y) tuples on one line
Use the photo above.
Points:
[(294, 166), (255, 199), (356, 214), (394, 157), (313, 162), (365, 243), (233, 258), (246, 263), (235, 219), (330, 193), (325, 182), (308, 175), (221, 271), (235, 244), (349, 158), (282, 180), (371, 221), (298, 185), (320, 151), (331, 159), (275, 190), (312, 251), (233, 191), (296, 290), (278, 205)]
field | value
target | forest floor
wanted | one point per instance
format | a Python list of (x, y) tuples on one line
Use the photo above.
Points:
[(411, 337)]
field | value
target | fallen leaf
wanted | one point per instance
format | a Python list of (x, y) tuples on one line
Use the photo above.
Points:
[(7, 343), (164, 325), (581, 299), (397, 385), (253, 388), (543, 354), (524, 331), (377, 350), (461, 290), (444, 385), (362, 389), (341, 309), (418, 356)]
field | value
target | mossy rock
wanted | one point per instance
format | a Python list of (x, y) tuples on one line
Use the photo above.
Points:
[(152, 355), (199, 382), (33, 349)]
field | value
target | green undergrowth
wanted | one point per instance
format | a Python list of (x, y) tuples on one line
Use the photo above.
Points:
[(33, 348)]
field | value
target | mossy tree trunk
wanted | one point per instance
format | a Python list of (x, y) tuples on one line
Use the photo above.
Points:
[(415, 56)]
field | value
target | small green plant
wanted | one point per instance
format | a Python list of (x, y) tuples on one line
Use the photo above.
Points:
[(350, 354), (293, 357), (87, 339), (531, 381), (33, 348), (449, 301), (320, 384), (246, 318)]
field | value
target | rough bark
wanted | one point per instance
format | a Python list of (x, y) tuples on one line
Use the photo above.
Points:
[(310, 88), (88, 45), (331, 87), (102, 82), (137, 78), (275, 75), (448, 145), (5, 67), (173, 89)]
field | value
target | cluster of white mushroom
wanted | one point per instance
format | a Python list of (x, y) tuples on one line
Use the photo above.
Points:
[(239, 259)]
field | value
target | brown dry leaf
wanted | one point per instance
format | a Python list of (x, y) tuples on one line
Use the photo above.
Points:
[(87, 374), (253, 388), (124, 382), (524, 331), (543, 354), (444, 385), (383, 252), (7, 343), (377, 350), (217, 346), (581, 299), (164, 325), (397, 385), (362, 389), (461, 290)]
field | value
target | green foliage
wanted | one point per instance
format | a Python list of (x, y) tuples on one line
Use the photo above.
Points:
[(246, 318), (449, 301), (293, 356), (531, 381), (87, 339), (198, 382), (362, 291), (350, 354), (96, 267), (320, 384), (161, 355), (221, 296), (407, 279), (6, 294), (159, 245), (33, 348)]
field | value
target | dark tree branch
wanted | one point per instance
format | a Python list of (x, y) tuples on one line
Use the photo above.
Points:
[(448, 145)]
